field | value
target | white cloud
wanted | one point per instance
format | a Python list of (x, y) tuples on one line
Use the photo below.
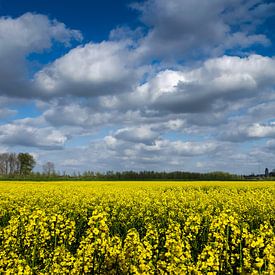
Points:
[(118, 155), (190, 101), (165, 82), (21, 36), (241, 133), (142, 134), (187, 148), (32, 33), (257, 130), (73, 114), (91, 70), (181, 27), (215, 86), (28, 136), (151, 144)]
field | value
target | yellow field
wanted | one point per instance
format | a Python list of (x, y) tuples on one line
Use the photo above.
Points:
[(137, 227)]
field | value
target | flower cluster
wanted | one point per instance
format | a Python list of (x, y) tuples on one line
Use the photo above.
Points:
[(137, 228)]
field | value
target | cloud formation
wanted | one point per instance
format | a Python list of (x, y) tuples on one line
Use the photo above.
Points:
[(28, 136), (185, 90), (19, 37), (254, 131), (178, 28), (91, 70)]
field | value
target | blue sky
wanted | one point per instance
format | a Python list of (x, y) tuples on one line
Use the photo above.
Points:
[(95, 19), (140, 85)]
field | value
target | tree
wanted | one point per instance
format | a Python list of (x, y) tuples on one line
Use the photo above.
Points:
[(48, 168), (13, 164), (9, 164), (2, 164), (26, 163)]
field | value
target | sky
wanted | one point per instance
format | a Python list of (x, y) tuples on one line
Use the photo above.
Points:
[(139, 85)]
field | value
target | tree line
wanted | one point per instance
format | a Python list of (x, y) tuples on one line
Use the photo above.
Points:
[(155, 175), (12, 164), (20, 166)]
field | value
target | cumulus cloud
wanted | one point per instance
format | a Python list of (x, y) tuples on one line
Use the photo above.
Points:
[(191, 101), (245, 132), (150, 144), (32, 33), (28, 136), (73, 114), (142, 134), (214, 87), (94, 69), (180, 27), (21, 36), (119, 155), (157, 155), (203, 98), (187, 148)]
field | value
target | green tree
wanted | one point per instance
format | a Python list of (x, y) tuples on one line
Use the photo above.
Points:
[(26, 163)]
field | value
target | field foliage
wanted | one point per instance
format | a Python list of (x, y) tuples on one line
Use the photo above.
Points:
[(137, 228)]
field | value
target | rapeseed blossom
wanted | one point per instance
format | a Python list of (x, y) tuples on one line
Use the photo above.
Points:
[(137, 228)]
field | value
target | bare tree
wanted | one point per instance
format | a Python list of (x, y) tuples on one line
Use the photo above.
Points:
[(2, 165), (9, 164), (48, 168), (14, 164), (6, 163)]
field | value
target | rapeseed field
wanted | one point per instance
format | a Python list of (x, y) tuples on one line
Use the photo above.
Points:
[(137, 228)]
